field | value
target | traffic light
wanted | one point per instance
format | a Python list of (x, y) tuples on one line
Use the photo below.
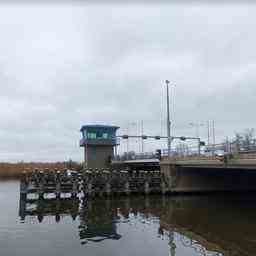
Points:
[(202, 143), (158, 154)]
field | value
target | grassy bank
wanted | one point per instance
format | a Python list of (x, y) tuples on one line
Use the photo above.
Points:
[(14, 170)]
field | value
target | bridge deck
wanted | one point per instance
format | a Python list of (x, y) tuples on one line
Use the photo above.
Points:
[(218, 163)]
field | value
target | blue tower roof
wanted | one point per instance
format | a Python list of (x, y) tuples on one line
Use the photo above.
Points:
[(99, 126)]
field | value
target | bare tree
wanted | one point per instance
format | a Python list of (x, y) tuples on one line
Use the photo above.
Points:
[(245, 140)]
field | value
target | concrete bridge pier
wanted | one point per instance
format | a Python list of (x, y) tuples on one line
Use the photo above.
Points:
[(170, 173)]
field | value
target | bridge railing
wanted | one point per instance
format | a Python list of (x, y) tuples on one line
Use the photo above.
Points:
[(134, 156), (217, 151), (222, 152)]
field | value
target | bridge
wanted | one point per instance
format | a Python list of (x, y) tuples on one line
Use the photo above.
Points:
[(230, 172), (160, 172), (176, 174), (203, 169), (196, 171)]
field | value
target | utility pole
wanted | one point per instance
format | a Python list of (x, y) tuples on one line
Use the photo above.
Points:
[(86, 155), (142, 142), (168, 119), (199, 147), (197, 125), (127, 145), (208, 132), (128, 131), (213, 135)]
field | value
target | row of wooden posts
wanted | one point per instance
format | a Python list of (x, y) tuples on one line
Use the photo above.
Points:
[(91, 183)]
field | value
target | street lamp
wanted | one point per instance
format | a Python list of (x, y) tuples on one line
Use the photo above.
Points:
[(168, 118), (196, 125), (128, 125)]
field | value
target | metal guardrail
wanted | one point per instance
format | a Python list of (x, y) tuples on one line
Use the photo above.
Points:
[(217, 151), (128, 156)]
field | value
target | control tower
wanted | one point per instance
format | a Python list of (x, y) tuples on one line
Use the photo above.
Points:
[(99, 142)]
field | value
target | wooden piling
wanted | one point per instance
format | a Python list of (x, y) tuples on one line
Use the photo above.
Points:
[(24, 186), (127, 188), (41, 185), (146, 187), (92, 183), (74, 187), (108, 189)]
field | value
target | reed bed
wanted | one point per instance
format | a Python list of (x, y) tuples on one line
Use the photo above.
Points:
[(14, 170)]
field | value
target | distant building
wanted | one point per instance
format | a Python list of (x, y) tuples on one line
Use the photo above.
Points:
[(99, 142)]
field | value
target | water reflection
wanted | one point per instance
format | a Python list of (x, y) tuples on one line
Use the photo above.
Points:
[(199, 225), (49, 207), (97, 222)]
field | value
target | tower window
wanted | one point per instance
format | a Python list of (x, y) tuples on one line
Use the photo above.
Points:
[(91, 135), (105, 136)]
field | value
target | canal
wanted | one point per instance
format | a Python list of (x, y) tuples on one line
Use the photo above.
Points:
[(178, 225)]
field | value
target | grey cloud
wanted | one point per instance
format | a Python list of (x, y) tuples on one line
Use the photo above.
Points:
[(63, 66)]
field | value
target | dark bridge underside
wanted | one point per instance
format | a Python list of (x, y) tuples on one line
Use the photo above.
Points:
[(192, 179), (144, 164)]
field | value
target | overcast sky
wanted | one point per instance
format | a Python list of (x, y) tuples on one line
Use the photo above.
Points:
[(62, 66)]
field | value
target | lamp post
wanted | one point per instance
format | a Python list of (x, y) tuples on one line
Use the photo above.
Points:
[(196, 125), (142, 142), (168, 118), (213, 135), (128, 125)]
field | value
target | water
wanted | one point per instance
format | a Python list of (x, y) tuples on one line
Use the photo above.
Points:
[(182, 226)]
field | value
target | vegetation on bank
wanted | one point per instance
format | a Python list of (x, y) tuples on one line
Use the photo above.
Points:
[(14, 170)]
